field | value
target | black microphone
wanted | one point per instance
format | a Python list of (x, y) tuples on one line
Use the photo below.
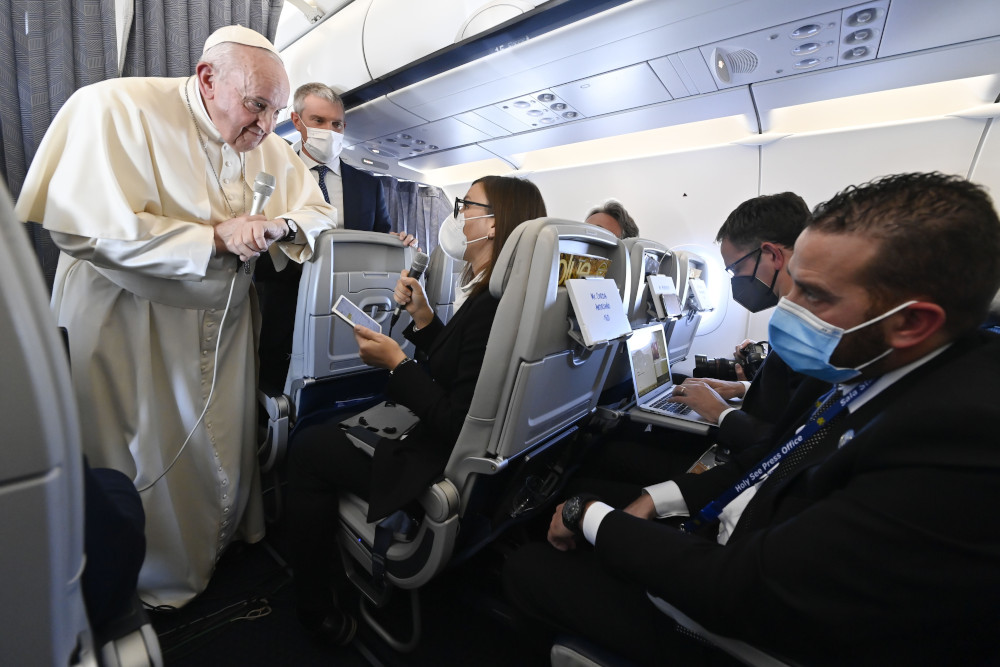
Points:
[(416, 270), (263, 188)]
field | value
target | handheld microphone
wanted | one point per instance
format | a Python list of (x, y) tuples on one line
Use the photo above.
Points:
[(416, 270), (263, 188)]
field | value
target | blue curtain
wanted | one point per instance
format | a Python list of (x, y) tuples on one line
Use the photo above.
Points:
[(167, 35), (417, 209), (48, 48)]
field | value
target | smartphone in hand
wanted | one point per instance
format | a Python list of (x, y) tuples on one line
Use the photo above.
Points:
[(346, 310)]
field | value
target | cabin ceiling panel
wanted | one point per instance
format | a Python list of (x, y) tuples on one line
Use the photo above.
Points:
[(806, 44), (944, 98), (956, 62), (818, 165), (377, 118), (624, 36), (626, 88), (398, 32), (492, 124), (915, 25), (429, 137), (735, 102), (449, 158), (333, 55)]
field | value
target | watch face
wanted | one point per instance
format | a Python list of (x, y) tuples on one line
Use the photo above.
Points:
[(571, 513)]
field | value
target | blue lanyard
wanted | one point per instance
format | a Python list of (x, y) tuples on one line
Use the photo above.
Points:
[(711, 511)]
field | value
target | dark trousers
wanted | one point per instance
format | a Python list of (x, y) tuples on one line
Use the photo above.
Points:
[(618, 470), (573, 593), (322, 463), (115, 543)]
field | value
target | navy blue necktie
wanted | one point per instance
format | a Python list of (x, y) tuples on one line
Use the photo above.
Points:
[(322, 169)]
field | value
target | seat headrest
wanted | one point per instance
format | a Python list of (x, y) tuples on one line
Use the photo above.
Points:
[(524, 238)]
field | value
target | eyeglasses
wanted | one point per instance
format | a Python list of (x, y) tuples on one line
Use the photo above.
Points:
[(462, 204), (731, 269)]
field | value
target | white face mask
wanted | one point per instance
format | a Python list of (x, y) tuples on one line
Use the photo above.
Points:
[(324, 146), (452, 239)]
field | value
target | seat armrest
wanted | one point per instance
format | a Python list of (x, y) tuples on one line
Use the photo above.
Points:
[(440, 501)]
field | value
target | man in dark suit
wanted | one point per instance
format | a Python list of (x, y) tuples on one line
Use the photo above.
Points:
[(872, 546), (757, 241), (360, 201)]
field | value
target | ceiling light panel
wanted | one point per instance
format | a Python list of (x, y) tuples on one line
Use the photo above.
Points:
[(426, 138), (818, 42), (541, 109), (626, 88)]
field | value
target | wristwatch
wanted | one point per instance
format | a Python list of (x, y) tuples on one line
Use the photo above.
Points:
[(572, 513), (293, 229)]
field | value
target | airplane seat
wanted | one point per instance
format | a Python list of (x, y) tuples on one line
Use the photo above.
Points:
[(536, 385), (325, 372), (736, 648), (42, 609), (443, 275), (645, 258), (685, 267), (572, 651)]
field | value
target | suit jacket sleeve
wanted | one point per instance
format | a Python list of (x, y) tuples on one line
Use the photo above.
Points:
[(771, 394), (883, 537), (440, 391), (382, 221)]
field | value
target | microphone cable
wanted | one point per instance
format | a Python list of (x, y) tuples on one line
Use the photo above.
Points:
[(211, 391)]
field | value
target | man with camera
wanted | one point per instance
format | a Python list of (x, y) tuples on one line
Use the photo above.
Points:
[(756, 241)]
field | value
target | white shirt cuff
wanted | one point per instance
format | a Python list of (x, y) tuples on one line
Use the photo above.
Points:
[(593, 518), (746, 387), (723, 414), (667, 499)]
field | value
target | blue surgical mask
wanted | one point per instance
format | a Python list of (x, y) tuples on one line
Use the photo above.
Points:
[(806, 343)]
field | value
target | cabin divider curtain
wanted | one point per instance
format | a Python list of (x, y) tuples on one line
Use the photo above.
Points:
[(417, 209), (49, 48), (167, 35)]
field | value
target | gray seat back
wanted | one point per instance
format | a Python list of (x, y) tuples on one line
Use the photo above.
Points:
[(535, 380), (443, 274), (681, 333), (363, 266), (42, 613), (645, 257)]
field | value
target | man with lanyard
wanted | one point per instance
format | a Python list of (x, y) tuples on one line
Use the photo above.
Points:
[(756, 241), (147, 186), (868, 542)]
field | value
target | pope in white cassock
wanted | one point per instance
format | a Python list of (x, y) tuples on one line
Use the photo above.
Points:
[(146, 186)]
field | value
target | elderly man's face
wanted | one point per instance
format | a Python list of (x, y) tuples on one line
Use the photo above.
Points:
[(244, 100), (827, 274), (607, 222)]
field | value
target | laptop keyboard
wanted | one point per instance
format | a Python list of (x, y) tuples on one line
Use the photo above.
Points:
[(673, 408)]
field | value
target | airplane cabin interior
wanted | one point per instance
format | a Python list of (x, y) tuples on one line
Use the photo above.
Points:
[(678, 109)]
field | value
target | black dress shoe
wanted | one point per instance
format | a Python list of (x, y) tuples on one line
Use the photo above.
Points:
[(334, 628)]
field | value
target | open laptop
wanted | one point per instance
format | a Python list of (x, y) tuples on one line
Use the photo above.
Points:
[(647, 355)]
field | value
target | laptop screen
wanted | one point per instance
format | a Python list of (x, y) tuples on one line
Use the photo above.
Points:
[(647, 348)]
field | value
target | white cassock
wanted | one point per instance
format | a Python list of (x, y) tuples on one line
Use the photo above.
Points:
[(125, 187)]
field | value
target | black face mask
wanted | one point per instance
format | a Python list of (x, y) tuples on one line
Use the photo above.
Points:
[(753, 294)]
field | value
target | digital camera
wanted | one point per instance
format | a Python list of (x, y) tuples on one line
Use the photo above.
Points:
[(725, 369)]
